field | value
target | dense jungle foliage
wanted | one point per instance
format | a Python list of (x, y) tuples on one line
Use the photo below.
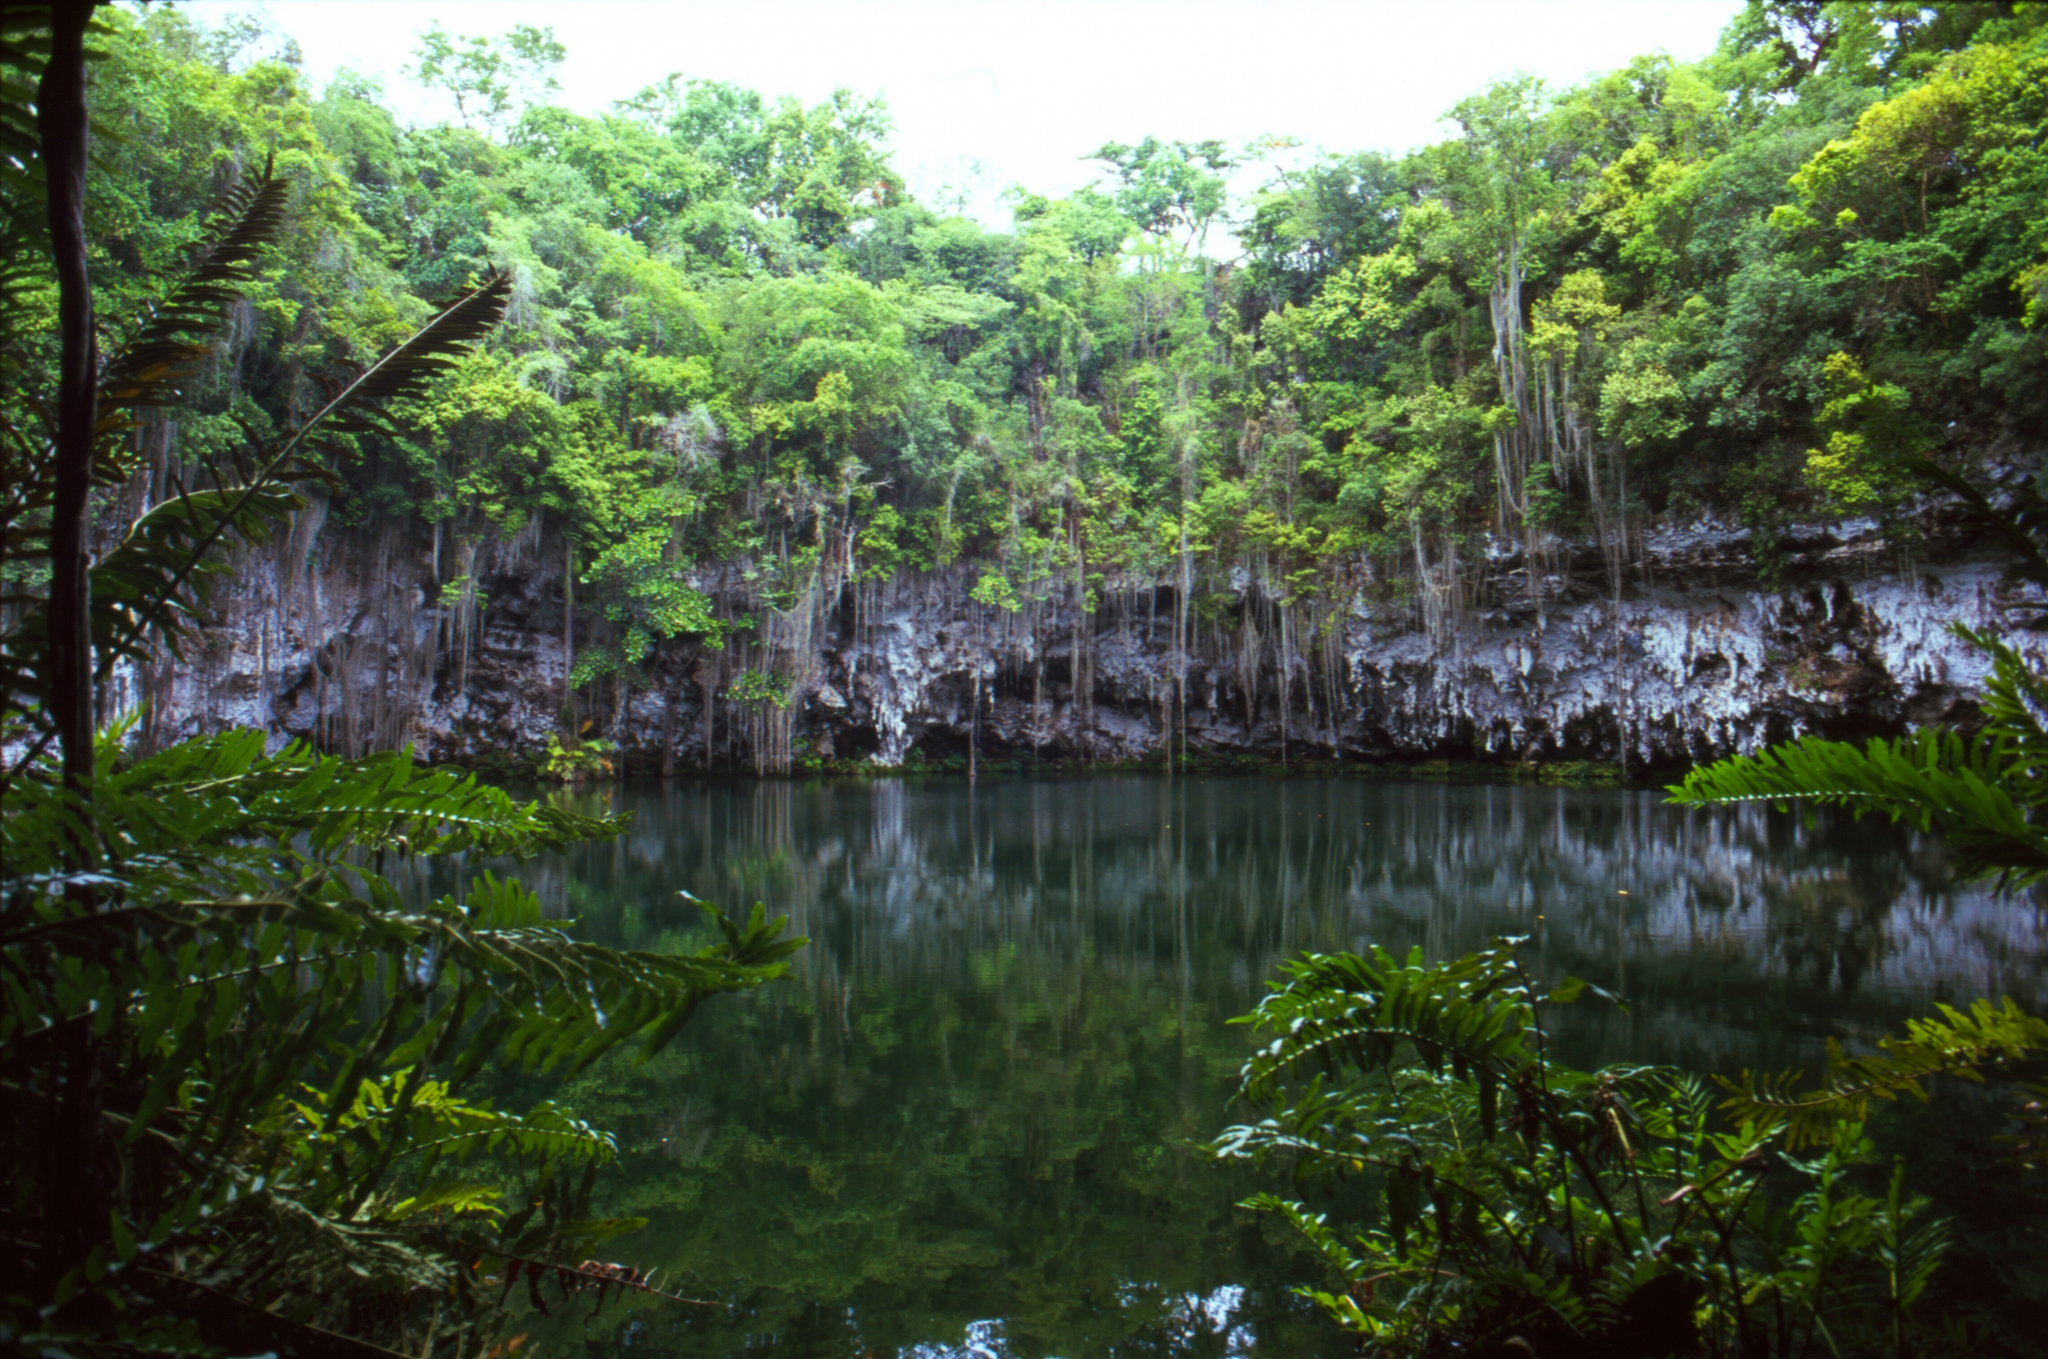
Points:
[(705, 333), (231, 1051), (738, 349)]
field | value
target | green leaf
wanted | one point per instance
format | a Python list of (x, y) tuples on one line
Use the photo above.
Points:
[(124, 1240)]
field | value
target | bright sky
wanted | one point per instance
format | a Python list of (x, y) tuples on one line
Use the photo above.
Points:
[(1025, 89)]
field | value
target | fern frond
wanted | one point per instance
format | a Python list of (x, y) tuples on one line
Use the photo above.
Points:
[(2015, 707), (217, 815), (1316, 1229), (1949, 1044), (557, 1002), (403, 371), (404, 1114), (172, 340), (1984, 795), (546, 1132), (160, 545), (588, 1276), (451, 1196), (150, 590), (1345, 1009)]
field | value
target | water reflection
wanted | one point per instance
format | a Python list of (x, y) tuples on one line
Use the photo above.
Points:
[(955, 1130)]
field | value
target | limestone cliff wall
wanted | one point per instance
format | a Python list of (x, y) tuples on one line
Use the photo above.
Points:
[(356, 641)]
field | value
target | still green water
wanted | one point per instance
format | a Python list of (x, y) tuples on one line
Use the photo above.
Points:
[(961, 1126)]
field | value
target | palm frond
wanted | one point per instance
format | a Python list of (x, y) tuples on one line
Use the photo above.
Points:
[(406, 369), (402, 371), (174, 338)]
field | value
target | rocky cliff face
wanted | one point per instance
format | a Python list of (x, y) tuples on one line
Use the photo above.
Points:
[(1690, 659)]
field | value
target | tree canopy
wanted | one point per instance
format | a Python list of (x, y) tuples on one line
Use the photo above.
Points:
[(1745, 286)]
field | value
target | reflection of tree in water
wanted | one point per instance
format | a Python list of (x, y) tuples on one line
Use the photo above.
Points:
[(964, 1103), (1208, 882), (931, 1155)]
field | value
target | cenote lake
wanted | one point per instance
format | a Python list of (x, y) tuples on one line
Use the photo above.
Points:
[(961, 1125)]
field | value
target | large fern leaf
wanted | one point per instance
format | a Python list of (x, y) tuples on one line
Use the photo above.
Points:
[(170, 343), (1348, 1010), (24, 228), (403, 371), (1984, 794), (242, 951), (1951, 1043)]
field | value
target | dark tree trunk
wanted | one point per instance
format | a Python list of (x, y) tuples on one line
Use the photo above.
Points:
[(568, 619), (76, 1171), (667, 680), (61, 126)]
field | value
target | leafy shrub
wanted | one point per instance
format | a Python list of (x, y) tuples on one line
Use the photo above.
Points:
[(577, 760), (1527, 1207)]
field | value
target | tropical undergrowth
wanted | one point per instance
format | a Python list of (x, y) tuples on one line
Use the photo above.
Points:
[(253, 1047), (233, 1053), (1526, 1207), (1635, 1211)]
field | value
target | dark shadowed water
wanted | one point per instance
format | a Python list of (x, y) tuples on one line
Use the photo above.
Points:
[(959, 1127)]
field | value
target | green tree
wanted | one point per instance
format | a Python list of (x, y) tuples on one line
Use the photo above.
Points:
[(489, 77), (1305, 224), (1171, 190)]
